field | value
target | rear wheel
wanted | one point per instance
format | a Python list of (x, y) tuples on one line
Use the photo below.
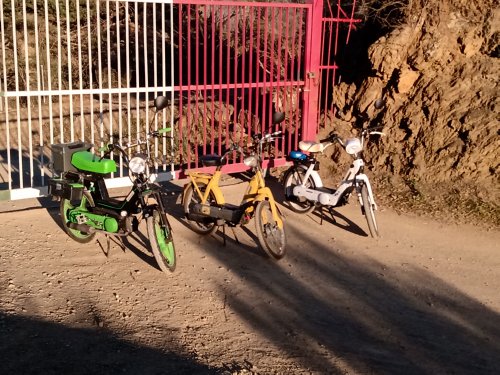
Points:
[(65, 208), (295, 176), (204, 225), (271, 237), (161, 241), (369, 212)]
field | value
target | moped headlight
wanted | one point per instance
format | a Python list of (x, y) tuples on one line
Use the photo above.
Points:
[(353, 146), (137, 164), (250, 161)]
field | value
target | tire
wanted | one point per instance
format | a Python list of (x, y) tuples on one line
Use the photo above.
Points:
[(190, 198), (271, 238), (161, 242), (293, 177), (65, 206), (369, 212)]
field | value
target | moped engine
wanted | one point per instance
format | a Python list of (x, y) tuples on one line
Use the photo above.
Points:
[(230, 214)]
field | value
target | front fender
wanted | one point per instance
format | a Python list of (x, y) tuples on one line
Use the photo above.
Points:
[(363, 179)]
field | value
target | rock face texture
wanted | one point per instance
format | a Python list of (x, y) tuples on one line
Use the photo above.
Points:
[(440, 77)]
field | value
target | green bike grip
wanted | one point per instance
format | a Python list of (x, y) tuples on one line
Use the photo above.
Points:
[(164, 130)]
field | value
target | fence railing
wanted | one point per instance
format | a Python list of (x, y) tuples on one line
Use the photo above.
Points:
[(89, 70)]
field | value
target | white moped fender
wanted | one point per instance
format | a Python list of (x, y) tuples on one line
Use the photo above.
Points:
[(314, 175), (364, 178)]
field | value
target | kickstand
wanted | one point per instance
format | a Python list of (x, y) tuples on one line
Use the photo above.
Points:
[(321, 211), (235, 236), (108, 246), (331, 214), (224, 235)]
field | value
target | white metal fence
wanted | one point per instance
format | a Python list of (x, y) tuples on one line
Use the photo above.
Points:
[(79, 70)]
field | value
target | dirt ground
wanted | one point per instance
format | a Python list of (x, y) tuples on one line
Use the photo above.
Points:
[(422, 299)]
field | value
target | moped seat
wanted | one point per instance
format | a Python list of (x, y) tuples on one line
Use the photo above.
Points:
[(89, 162), (211, 160), (311, 146)]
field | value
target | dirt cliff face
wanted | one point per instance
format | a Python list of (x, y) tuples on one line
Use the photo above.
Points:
[(439, 75)]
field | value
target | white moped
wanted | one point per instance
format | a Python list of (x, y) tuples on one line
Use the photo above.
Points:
[(304, 190)]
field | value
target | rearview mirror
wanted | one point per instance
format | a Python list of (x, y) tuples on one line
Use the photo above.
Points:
[(161, 102)]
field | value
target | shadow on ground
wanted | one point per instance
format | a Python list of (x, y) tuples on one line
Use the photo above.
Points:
[(332, 313), (30, 346)]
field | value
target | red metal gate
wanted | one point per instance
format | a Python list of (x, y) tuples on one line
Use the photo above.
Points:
[(238, 62)]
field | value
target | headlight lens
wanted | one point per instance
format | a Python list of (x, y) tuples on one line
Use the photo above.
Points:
[(250, 161), (353, 146), (137, 164)]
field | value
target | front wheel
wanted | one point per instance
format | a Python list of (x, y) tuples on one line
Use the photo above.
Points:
[(271, 237), (161, 241), (294, 177), (369, 212), (65, 208)]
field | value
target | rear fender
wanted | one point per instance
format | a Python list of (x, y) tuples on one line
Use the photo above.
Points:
[(314, 174)]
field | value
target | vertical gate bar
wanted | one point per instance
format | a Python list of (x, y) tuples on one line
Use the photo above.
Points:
[(6, 100), (271, 71), (228, 77), (205, 60), (155, 77), (312, 63), (127, 69), (212, 80), (49, 72), (299, 73), (39, 97), (70, 78), (99, 67), (241, 93), (108, 66), (172, 84), (181, 82), (16, 72), (119, 76), (258, 49), (28, 98), (59, 72), (221, 28), (163, 80), (80, 72), (279, 89), (326, 62), (145, 64), (137, 78), (91, 83), (197, 80), (287, 77), (235, 74), (265, 90), (249, 90), (188, 115)]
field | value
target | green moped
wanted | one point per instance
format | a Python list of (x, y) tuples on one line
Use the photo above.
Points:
[(86, 207)]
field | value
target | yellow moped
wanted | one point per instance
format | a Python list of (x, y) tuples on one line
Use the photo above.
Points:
[(206, 209)]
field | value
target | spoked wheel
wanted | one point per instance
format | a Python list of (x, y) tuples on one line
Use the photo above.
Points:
[(369, 212), (65, 208), (295, 176), (271, 237), (161, 241), (206, 226)]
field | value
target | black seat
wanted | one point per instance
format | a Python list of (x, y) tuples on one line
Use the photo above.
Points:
[(211, 160)]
